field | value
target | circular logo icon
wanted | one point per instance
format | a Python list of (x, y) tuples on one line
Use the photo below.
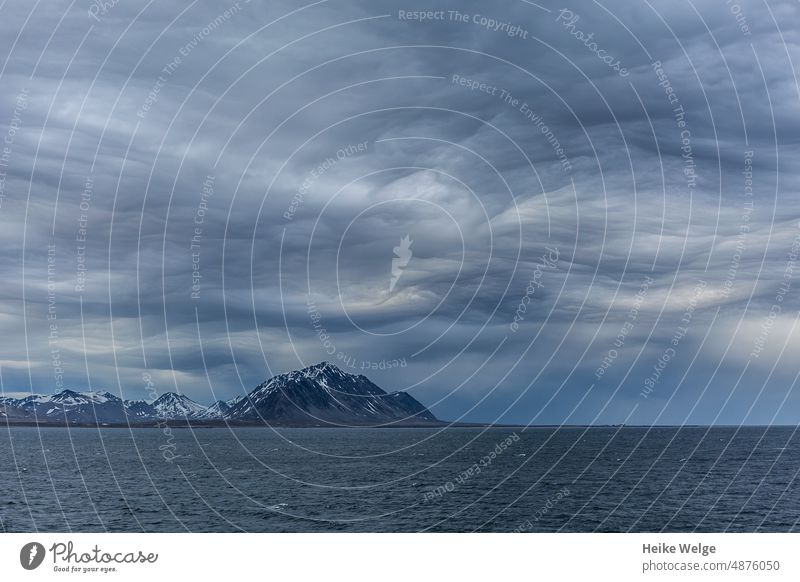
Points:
[(31, 555)]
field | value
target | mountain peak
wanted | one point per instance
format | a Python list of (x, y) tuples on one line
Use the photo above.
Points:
[(321, 370), (68, 396), (170, 397), (323, 366)]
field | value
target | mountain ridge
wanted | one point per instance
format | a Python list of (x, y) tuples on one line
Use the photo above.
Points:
[(318, 395)]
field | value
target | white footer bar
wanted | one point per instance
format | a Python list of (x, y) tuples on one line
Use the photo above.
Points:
[(399, 557)]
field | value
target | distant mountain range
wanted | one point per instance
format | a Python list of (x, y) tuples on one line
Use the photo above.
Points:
[(320, 395)]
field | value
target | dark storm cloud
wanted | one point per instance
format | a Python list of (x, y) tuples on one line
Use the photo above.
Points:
[(488, 148)]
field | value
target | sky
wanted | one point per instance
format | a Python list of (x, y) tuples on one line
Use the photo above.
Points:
[(518, 212)]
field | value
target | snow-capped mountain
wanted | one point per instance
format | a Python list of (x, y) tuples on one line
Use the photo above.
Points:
[(172, 405), (320, 395), (10, 410), (71, 407), (139, 410), (325, 395), (220, 408)]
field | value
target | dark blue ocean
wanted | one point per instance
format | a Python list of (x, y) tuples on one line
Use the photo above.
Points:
[(401, 480)]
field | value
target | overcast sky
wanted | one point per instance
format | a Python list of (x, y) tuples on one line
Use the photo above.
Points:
[(601, 198)]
